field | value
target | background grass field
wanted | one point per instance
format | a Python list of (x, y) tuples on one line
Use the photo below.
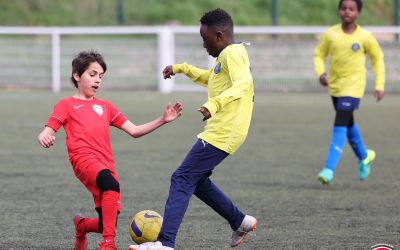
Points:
[(272, 176)]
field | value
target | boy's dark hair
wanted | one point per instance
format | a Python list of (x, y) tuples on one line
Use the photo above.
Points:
[(218, 18), (358, 2), (82, 61)]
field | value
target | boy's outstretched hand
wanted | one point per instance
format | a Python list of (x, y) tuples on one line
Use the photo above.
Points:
[(167, 72), (172, 112)]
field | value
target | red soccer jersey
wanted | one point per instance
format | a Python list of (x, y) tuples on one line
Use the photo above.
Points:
[(87, 126)]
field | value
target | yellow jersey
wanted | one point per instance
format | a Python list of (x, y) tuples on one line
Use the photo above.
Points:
[(347, 76), (230, 97)]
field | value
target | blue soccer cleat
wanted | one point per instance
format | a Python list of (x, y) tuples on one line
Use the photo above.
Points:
[(365, 165), (326, 176)]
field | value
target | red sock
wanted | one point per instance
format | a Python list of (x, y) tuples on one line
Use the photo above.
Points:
[(89, 225), (109, 206)]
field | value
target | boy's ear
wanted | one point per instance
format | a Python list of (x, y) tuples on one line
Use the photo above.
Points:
[(220, 36), (76, 77)]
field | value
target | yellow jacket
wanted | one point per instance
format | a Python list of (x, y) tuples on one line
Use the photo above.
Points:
[(230, 97), (348, 52)]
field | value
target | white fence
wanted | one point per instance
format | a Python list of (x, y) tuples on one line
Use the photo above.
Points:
[(40, 57)]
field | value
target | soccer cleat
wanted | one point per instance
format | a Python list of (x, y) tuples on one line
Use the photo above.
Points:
[(81, 242), (107, 245), (326, 176), (365, 165), (249, 224), (150, 246)]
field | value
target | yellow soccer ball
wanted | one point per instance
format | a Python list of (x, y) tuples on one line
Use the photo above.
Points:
[(145, 226)]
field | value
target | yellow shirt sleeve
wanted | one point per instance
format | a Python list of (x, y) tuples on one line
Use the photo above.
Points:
[(320, 53), (197, 75), (377, 62)]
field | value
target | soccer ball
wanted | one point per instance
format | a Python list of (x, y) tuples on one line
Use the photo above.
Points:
[(145, 226)]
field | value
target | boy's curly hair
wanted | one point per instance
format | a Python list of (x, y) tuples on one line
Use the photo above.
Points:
[(358, 2), (217, 18)]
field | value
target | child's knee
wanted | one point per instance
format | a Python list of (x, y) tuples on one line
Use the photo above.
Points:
[(106, 182)]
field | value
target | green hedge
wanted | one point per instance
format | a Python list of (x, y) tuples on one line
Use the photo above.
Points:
[(186, 12)]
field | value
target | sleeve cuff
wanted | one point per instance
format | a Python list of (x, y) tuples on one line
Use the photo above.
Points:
[(54, 124), (177, 68), (379, 87), (212, 108), (320, 72), (119, 120)]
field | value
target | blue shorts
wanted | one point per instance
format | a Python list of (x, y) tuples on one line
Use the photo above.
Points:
[(346, 103)]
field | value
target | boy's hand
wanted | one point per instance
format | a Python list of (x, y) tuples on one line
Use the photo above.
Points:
[(46, 140), (323, 79), (205, 113), (379, 94), (172, 112), (167, 72)]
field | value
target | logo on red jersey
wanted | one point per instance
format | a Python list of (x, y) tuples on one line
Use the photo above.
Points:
[(98, 109), (76, 107)]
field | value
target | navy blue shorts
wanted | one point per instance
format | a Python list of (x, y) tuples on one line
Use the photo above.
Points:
[(345, 107), (346, 103)]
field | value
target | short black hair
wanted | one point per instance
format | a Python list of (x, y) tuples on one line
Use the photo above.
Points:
[(358, 2), (217, 18), (82, 61)]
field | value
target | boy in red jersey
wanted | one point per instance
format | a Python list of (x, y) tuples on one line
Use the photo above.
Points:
[(86, 121)]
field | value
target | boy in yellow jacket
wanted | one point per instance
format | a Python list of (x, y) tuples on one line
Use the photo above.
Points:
[(348, 44), (228, 113)]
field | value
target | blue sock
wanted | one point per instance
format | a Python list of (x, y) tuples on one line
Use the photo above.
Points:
[(336, 148), (356, 142)]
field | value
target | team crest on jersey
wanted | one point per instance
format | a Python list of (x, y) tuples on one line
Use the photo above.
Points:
[(355, 47), (98, 109), (217, 68)]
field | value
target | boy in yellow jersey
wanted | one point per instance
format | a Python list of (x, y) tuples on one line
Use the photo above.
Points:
[(348, 44), (228, 113)]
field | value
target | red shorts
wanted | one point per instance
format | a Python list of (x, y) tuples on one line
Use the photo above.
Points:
[(86, 170)]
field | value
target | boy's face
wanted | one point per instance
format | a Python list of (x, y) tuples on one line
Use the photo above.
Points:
[(89, 82), (348, 11), (212, 40)]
